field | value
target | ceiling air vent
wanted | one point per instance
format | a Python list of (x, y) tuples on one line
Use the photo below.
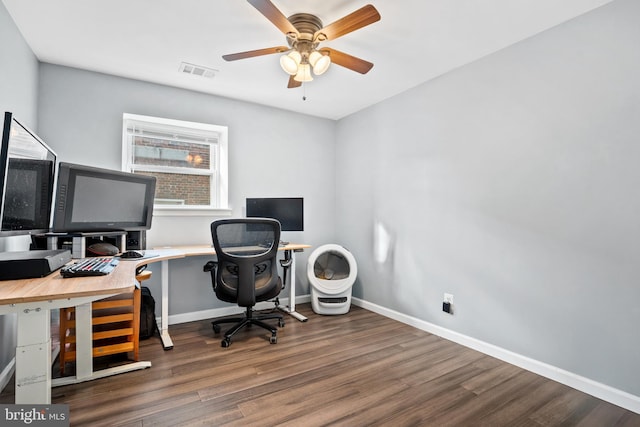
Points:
[(197, 70)]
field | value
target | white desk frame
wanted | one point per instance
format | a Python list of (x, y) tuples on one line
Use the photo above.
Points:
[(289, 250), (291, 308)]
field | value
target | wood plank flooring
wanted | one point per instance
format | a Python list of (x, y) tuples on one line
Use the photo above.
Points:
[(359, 369)]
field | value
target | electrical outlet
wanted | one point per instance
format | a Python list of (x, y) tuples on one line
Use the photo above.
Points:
[(447, 304), (448, 298)]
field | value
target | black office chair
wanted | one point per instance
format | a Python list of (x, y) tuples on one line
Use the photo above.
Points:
[(246, 270)]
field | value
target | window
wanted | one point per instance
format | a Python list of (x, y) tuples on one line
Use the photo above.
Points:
[(189, 160)]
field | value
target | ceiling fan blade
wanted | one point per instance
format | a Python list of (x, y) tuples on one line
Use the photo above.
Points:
[(293, 83), (273, 14), (360, 18), (348, 61), (252, 53)]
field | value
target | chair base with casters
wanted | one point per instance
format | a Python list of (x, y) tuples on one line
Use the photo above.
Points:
[(248, 320)]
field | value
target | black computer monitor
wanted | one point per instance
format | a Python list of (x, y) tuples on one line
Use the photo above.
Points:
[(288, 210), (90, 199), (27, 173)]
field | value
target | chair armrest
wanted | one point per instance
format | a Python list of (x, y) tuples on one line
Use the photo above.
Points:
[(140, 269), (286, 263), (210, 266)]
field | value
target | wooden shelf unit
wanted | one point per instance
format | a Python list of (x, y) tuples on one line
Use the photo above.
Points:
[(115, 323)]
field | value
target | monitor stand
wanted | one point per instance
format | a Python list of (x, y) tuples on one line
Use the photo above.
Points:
[(77, 242)]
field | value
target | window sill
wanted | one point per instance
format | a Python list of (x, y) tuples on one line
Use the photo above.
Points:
[(184, 211)]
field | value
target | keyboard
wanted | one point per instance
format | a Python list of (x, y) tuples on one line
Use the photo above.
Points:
[(98, 266)]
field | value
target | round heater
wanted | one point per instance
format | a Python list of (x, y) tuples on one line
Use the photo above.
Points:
[(331, 270)]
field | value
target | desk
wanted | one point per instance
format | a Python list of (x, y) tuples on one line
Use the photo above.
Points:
[(202, 250), (32, 300)]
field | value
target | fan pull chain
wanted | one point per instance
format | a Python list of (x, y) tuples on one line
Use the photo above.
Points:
[(304, 92)]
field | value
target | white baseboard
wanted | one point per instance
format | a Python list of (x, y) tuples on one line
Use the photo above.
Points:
[(194, 316), (7, 373), (586, 385)]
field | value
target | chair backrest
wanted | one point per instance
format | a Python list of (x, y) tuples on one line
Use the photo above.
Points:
[(246, 249)]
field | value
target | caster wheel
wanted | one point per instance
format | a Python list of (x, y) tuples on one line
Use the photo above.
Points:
[(216, 328), (281, 323), (273, 339), (225, 343)]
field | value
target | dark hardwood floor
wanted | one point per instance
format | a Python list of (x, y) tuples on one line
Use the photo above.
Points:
[(359, 369)]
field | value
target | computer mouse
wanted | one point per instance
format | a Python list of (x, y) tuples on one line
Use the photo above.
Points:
[(102, 249), (131, 254)]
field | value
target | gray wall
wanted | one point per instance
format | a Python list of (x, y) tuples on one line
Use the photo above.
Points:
[(271, 153), (18, 90), (19, 72), (18, 93), (511, 183)]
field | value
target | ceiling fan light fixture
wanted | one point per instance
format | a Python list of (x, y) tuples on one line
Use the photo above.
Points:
[(313, 57), (319, 62), (304, 73), (290, 62), (304, 32)]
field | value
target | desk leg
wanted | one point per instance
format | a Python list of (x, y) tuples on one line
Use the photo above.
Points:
[(33, 356), (291, 309), (167, 343), (84, 342)]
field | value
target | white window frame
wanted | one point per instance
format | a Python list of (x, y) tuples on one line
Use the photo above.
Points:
[(219, 169)]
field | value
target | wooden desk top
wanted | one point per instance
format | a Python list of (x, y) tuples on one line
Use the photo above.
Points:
[(120, 280), (55, 287)]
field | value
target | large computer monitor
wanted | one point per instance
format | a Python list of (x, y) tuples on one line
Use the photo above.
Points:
[(90, 199), (27, 173), (288, 210)]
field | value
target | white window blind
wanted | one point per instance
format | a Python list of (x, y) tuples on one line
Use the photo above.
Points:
[(188, 159)]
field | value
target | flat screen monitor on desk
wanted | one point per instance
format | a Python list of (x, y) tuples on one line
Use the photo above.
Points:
[(93, 199), (288, 210), (27, 171)]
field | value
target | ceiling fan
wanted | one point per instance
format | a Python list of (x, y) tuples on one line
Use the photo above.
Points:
[(304, 33)]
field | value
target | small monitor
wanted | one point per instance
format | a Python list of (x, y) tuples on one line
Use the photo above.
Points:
[(91, 199), (27, 172), (288, 210)]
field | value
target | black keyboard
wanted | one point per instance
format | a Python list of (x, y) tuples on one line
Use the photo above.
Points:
[(90, 267)]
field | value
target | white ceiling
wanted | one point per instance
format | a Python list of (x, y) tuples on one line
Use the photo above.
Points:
[(415, 41)]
